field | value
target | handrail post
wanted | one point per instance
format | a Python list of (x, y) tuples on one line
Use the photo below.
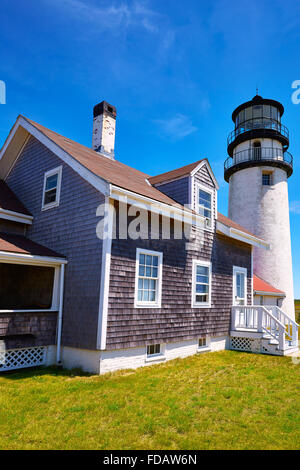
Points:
[(281, 339), (259, 319)]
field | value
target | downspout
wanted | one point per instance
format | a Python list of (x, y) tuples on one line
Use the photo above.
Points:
[(60, 314)]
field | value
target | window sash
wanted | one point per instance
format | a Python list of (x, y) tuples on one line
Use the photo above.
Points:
[(148, 278), (153, 350), (205, 203), (51, 191), (266, 179), (202, 284)]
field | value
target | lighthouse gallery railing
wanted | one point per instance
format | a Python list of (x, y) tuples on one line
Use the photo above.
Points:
[(259, 154)]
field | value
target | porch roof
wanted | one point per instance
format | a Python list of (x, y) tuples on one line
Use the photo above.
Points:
[(262, 287), (11, 243)]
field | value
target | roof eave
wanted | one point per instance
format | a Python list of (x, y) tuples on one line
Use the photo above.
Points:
[(240, 235)]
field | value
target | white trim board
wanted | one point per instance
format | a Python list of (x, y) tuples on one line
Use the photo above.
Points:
[(268, 294), (105, 278), (209, 169), (161, 208), (16, 216), (96, 181), (20, 258), (241, 236)]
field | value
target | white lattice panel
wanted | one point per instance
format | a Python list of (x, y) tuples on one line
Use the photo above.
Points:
[(19, 358), (240, 344)]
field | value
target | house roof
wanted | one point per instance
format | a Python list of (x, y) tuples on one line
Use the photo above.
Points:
[(173, 174), (115, 172), (9, 201), (230, 223), (18, 244), (259, 285), (112, 171)]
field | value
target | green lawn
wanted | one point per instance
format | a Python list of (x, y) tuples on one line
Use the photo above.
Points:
[(218, 400)]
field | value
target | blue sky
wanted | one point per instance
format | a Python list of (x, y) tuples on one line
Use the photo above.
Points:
[(175, 70)]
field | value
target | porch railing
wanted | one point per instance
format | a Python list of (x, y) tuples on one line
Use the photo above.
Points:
[(267, 320)]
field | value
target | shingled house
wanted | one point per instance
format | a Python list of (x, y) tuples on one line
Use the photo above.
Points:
[(82, 286)]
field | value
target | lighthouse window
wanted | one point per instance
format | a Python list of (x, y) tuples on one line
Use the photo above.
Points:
[(267, 179), (205, 205)]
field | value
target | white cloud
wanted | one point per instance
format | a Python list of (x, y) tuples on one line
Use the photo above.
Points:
[(176, 127), (111, 15), (295, 207)]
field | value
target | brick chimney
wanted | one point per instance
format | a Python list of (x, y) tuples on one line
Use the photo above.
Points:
[(104, 128)]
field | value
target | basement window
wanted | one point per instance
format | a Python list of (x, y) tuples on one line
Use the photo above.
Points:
[(51, 190), (153, 350), (202, 343)]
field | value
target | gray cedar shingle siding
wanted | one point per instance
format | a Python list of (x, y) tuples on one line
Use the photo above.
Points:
[(177, 190), (69, 229), (25, 330), (176, 320)]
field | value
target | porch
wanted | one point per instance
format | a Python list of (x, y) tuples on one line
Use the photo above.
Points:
[(31, 293), (263, 329)]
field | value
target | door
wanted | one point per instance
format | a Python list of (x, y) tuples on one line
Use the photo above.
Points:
[(239, 286)]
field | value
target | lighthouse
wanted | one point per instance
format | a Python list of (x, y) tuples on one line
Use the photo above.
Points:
[(257, 170)]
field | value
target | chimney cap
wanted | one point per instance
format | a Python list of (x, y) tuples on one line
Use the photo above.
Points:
[(105, 107)]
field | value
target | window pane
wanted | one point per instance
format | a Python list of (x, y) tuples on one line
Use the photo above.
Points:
[(152, 296), (142, 259), (201, 298), (50, 196), (51, 182), (202, 270), (148, 260), (155, 260), (148, 271), (154, 272), (142, 271), (202, 279)]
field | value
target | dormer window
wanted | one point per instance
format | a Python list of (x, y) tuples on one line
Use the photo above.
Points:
[(51, 191), (205, 205)]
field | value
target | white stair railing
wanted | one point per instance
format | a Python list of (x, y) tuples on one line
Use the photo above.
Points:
[(260, 319), (291, 326)]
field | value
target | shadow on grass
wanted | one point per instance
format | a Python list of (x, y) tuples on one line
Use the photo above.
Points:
[(40, 371)]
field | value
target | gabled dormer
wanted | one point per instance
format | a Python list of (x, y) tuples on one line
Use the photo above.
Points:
[(193, 185)]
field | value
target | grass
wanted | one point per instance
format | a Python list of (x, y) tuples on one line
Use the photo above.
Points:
[(223, 400)]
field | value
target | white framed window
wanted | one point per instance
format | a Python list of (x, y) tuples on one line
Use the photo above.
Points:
[(204, 204), (239, 285), (201, 285), (153, 350), (148, 280), (51, 190), (204, 344), (267, 178)]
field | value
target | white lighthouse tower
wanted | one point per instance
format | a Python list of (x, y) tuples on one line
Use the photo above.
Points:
[(257, 171)]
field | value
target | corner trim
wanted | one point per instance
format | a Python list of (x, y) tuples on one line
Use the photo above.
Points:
[(105, 278)]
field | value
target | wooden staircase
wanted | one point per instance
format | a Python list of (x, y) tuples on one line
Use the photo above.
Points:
[(263, 329)]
